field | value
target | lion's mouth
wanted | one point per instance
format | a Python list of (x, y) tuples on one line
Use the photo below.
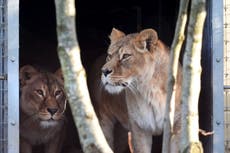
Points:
[(49, 121), (123, 84), (115, 87), (49, 118)]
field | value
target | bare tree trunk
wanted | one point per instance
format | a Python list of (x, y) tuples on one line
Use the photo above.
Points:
[(174, 61), (90, 133), (191, 79)]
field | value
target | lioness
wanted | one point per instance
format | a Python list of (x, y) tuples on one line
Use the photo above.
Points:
[(110, 108), (42, 107), (134, 88)]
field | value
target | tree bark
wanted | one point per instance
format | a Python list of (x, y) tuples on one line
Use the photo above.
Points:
[(191, 79), (90, 133), (174, 61)]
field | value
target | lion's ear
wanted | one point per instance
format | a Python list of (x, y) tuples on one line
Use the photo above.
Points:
[(26, 72), (59, 74), (116, 35), (146, 39)]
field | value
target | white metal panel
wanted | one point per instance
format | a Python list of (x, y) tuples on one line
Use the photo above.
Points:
[(13, 79), (217, 75)]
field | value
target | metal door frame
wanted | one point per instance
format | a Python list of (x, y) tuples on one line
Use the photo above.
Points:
[(217, 36), (13, 75), (217, 75)]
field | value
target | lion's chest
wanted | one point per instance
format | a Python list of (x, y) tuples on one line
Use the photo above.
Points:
[(148, 113), (35, 134)]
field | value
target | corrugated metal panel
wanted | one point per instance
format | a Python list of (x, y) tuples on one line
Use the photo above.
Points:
[(3, 82)]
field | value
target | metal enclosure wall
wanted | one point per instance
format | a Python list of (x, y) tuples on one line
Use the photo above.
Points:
[(9, 85), (13, 74), (9, 82), (216, 34)]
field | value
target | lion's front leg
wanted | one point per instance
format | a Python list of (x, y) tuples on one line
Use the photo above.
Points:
[(25, 147), (107, 125), (141, 140)]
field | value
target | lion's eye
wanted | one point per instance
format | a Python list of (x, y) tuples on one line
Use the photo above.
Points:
[(40, 92), (57, 93), (125, 56)]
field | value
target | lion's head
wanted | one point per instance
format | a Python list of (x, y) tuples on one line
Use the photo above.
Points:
[(131, 58), (42, 96)]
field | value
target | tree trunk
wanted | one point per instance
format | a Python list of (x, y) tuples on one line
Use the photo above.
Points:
[(174, 61), (90, 133), (191, 79)]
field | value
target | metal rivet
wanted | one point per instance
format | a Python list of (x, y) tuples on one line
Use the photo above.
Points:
[(12, 59), (13, 123), (218, 122), (218, 60)]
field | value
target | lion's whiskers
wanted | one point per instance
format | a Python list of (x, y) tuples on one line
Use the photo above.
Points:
[(133, 88)]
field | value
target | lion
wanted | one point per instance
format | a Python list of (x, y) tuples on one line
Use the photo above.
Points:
[(131, 88), (111, 109), (42, 107)]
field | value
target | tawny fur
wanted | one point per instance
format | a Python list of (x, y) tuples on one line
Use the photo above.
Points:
[(42, 107), (133, 88)]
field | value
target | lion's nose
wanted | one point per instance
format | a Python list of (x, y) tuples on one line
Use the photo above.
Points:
[(106, 71), (52, 111)]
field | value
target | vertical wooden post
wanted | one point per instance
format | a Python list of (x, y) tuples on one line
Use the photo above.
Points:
[(192, 79), (90, 133), (174, 61)]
